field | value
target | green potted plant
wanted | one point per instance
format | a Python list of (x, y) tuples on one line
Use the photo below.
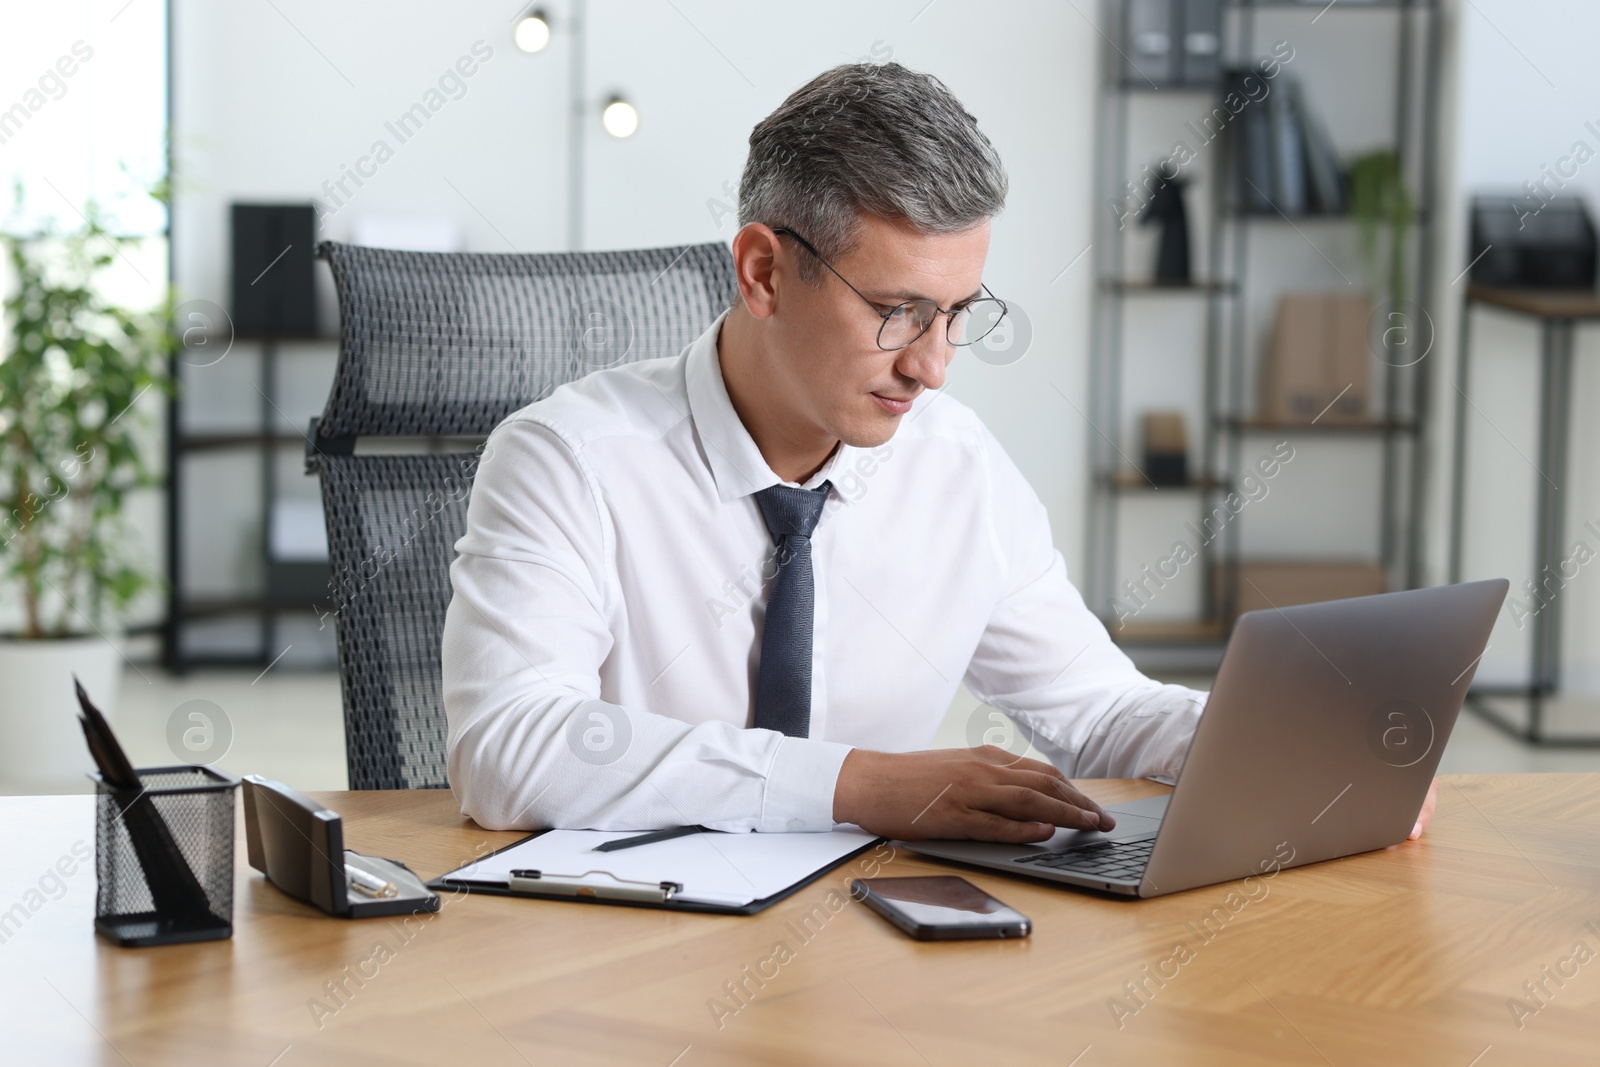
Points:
[(73, 365), (1385, 212)]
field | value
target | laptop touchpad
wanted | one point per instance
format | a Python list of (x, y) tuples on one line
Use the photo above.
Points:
[(1147, 807), (1135, 818)]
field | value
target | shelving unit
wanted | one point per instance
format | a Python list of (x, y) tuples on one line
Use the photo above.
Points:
[(1228, 289), (286, 587)]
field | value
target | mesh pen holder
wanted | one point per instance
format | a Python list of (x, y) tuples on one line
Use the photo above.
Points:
[(164, 857)]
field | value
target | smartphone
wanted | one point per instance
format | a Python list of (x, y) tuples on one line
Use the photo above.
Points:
[(940, 908)]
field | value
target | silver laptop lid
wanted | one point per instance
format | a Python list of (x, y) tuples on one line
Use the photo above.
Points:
[(1322, 732)]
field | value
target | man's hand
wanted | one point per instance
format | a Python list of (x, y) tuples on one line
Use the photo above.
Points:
[(1424, 817), (984, 793)]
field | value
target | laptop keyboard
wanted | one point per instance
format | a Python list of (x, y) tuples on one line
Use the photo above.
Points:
[(1100, 859)]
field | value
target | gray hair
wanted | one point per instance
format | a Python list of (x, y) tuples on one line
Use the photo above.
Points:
[(875, 139)]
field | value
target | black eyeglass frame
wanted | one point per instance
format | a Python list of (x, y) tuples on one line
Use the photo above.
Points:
[(949, 313)]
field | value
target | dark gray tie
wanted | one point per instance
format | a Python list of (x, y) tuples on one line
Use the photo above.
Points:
[(783, 681)]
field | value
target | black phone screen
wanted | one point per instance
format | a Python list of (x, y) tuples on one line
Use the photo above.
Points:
[(940, 907)]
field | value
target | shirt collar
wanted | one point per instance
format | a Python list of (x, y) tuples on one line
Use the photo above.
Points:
[(737, 466)]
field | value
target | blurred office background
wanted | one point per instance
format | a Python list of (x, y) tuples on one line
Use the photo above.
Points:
[(1134, 394)]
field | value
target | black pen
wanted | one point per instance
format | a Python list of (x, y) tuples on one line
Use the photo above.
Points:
[(645, 839)]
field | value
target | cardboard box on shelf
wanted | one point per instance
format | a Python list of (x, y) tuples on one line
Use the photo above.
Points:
[(1280, 584), (1317, 366)]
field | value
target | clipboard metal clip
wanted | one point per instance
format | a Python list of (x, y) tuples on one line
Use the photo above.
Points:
[(537, 883)]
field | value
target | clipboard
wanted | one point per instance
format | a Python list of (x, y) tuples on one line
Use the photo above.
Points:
[(599, 886)]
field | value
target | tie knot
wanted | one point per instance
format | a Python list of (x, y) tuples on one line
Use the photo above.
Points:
[(792, 512)]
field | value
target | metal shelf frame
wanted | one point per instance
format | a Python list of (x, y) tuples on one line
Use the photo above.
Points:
[(268, 442)]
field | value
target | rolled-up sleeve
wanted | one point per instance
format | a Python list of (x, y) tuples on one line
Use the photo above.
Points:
[(532, 742), (1046, 661)]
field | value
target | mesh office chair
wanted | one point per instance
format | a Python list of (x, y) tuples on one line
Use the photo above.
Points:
[(436, 346)]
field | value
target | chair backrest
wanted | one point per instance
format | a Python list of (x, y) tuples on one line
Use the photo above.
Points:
[(437, 346)]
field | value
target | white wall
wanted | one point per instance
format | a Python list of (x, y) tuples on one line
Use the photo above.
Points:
[(1026, 71), (269, 106)]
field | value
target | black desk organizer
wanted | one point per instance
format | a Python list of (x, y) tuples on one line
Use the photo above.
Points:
[(164, 857)]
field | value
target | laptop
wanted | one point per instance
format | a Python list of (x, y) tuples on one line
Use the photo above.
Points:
[(1323, 730)]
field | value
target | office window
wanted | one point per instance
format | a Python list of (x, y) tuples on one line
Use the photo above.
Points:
[(83, 91)]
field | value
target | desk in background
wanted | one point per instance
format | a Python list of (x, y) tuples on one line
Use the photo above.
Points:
[(1558, 313), (1408, 955)]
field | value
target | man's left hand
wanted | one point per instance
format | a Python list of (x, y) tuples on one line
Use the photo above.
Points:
[(1425, 816)]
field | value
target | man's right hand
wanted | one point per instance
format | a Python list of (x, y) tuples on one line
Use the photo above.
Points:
[(984, 794)]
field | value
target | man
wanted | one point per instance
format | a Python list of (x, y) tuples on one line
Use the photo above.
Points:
[(739, 588)]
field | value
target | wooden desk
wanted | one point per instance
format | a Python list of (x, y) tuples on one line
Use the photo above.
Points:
[(1405, 956)]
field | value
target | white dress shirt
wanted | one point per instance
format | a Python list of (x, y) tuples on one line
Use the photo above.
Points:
[(601, 649)]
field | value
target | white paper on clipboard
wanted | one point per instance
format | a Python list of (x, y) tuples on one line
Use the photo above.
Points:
[(713, 868)]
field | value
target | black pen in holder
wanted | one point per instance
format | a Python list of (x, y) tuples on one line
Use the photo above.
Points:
[(164, 857)]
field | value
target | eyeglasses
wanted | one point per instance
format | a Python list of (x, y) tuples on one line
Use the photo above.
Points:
[(904, 323)]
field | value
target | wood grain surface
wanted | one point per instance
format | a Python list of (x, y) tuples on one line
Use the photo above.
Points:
[(1540, 303), (1478, 945)]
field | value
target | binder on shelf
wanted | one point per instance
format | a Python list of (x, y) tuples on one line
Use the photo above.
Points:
[(1148, 37), (1172, 42), (1202, 42), (1285, 160), (1253, 150), (273, 283), (1322, 161), (720, 873), (1289, 166)]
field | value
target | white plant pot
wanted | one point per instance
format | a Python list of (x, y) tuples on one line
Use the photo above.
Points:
[(41, 745)]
